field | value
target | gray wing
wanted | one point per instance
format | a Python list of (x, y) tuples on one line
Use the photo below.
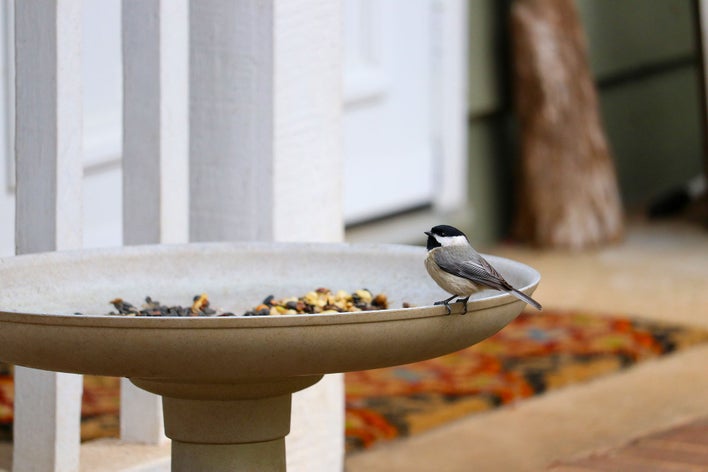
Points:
[(465, 262)]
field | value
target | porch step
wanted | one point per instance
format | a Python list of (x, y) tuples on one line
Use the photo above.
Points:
[(684, 449)]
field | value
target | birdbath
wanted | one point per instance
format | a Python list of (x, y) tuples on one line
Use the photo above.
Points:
[(227, 382)]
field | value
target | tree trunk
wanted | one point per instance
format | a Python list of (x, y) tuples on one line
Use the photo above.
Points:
[(568, 195)]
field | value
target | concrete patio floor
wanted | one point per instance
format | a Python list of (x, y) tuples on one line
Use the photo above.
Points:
[(660, 271)]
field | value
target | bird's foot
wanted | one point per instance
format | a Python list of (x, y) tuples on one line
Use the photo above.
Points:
[(446, 302), (464, 304), (447, 305)]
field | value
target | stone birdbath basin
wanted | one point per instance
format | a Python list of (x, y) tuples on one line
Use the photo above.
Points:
[(227, 382)]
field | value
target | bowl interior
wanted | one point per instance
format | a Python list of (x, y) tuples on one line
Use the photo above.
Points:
[(236, 277)]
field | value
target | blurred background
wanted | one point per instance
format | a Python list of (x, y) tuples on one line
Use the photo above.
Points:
[(646, 64), (645, 61), (431, 134), (408, 161)]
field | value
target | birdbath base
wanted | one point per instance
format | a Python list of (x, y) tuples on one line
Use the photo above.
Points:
[(262, 456), (228, 427)]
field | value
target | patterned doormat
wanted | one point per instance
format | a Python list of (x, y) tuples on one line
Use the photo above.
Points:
[(533, 354)]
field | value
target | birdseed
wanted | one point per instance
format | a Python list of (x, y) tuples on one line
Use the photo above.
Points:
[(319, 301)]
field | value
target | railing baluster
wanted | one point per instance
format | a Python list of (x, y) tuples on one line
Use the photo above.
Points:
[(155, 161), (265, 154), (48, 218)]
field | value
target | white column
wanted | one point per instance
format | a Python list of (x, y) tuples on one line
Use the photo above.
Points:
[(49, 174), (155, 160), (265, 155)]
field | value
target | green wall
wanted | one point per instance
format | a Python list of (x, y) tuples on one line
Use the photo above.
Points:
[(644, 56), (490, 146)]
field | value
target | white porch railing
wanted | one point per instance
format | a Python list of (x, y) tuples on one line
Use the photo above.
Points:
[(48, 209), (220, 160), (155, 158)]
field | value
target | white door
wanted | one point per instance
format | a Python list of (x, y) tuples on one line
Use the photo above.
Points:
[(387, 92)]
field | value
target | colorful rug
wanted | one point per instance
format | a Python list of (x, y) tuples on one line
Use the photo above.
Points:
[(533, 354)]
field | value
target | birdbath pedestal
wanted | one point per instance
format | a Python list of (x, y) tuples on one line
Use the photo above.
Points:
[(227, 427), (227, 382)]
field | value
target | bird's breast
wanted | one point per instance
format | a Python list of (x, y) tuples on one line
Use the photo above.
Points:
[(451, 283)]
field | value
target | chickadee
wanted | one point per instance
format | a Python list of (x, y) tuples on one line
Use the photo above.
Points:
[(458, 269)]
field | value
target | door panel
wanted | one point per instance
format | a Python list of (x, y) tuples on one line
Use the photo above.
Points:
[(388, 158)]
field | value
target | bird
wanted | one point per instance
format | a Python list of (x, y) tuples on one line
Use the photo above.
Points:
[(460, 270)]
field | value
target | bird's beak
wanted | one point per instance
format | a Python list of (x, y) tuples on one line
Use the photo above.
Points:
[(427, 233)]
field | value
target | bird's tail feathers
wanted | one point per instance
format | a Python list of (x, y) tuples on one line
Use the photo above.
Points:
[(522, 296)]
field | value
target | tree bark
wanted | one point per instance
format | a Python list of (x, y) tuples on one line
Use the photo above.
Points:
[(568, 195)]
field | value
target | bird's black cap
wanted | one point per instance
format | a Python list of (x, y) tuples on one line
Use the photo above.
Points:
[(446, 230), (441, 230)]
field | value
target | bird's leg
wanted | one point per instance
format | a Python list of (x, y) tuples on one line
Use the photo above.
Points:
[(446, 302), (464, 303)]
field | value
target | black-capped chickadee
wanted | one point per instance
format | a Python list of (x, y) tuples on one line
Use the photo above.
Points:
[(458, 269)]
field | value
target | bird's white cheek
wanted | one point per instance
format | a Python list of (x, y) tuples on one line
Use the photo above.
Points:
[(453, 241)]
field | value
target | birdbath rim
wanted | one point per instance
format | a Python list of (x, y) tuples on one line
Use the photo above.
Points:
[(483, 300)]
